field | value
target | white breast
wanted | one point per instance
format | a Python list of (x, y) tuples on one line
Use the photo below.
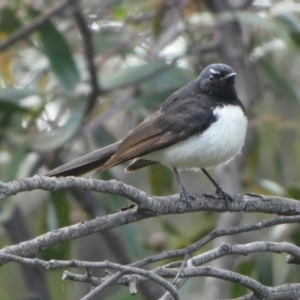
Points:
[(218, 144)]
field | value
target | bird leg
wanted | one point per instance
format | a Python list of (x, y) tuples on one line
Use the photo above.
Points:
[(219, 190), (183, 193)]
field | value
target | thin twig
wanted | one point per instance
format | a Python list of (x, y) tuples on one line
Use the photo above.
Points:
[(86, 35), (264, 246), (26, 30), (132, 270)]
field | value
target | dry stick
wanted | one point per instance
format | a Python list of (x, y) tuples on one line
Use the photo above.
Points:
[(239, 249), (36, 23), (132, 270), (226, 249), (169, 254)]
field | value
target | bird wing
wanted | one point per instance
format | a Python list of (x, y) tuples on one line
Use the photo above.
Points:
[(163, 129)]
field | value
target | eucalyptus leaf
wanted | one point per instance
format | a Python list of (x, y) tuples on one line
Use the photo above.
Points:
[(112, 40), (293, 25), (152, 76), (59, 54), (57, 216), (12, 168), (9, 21), (10, 99), (265, 269), (279, 81), (11, 108), (267, 24), (171, 78), (16, 94), (48, 141), (152, 99), (132, 75)]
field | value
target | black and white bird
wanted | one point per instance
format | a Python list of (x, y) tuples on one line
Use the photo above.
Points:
[(201, 125)]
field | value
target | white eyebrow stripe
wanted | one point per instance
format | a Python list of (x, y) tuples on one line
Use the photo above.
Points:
[(213, 71)]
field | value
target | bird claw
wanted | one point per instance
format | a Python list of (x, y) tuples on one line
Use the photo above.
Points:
[(185, 196), (220, 194), (225, 196)]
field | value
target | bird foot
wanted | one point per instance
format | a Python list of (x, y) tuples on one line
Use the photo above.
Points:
[(220, 194), (185, 196), (223, 195)]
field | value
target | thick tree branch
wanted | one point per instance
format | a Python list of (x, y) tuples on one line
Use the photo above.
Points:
[(156, 205)]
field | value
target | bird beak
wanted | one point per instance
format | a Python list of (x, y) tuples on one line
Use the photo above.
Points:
[(229, 77)]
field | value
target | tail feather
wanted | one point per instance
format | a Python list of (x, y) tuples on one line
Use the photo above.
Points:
[(85, 163)]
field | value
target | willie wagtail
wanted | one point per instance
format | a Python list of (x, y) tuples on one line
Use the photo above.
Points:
[(201, 125)]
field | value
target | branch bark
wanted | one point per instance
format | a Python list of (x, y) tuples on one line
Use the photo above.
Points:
[(146, 207)]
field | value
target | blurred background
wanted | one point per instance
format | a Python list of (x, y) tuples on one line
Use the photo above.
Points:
[(78, 75)]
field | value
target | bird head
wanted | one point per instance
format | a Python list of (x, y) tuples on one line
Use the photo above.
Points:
[(218, 80)]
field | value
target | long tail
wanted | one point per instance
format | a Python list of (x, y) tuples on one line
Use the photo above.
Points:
[(85, 163)]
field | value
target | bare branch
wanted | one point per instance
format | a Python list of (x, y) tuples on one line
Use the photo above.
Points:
[(156, 205), (226, 249), (132, 287), (132, 270), (142, 275)]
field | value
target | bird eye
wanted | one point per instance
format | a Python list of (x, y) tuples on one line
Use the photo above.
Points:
[(211, 78)]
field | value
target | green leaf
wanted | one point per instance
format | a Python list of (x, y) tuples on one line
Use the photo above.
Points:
[(48, 141), (293, 192), (58, 216), (132, 75), (59, 55), (9, 21), (154, 76), (15, 94), (294, 237), (11, 108), (119, 12), (152, 99), (158, 19), (293, 26), (264, 269), (111, 39), (4, 124), (246, 268), (12, 168), (10, 99), (171, 78), (279, 81), (161, 180), (267, 24), (272, 187), (171, 229), (130, 232)]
